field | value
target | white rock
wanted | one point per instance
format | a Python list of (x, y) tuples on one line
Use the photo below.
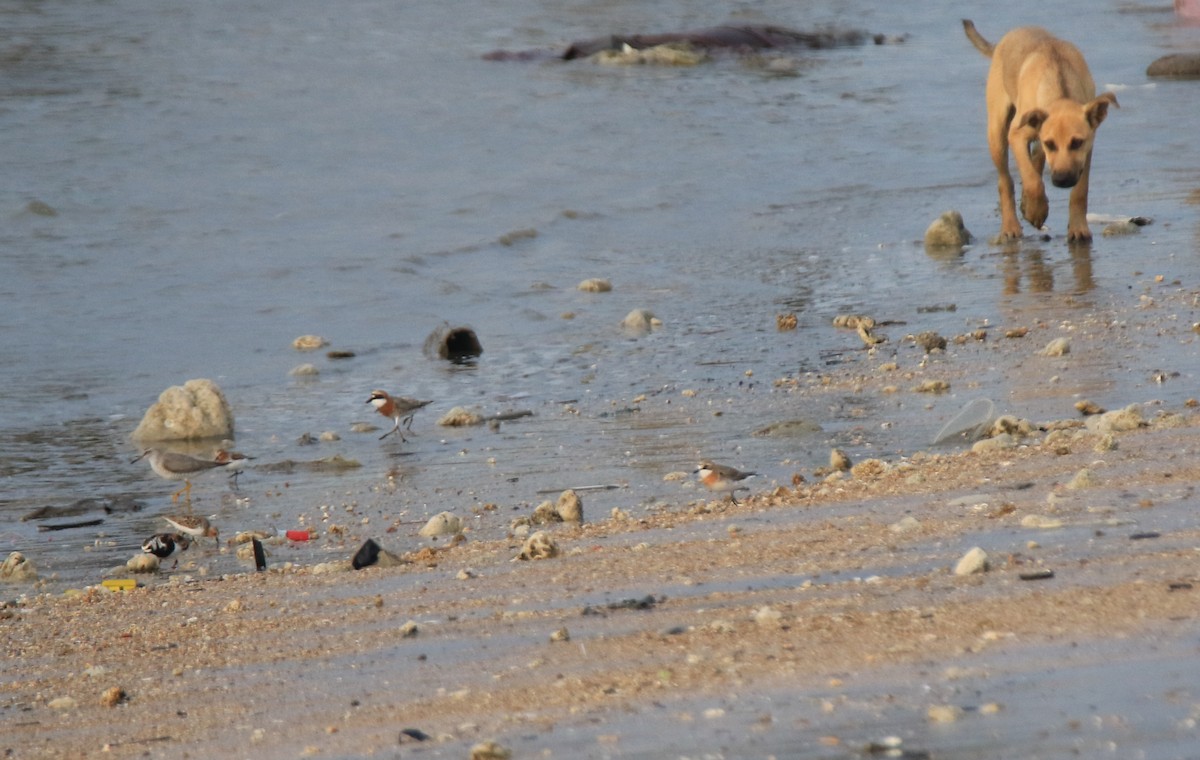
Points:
[(1057, 347), (973, 562), (442, 524)]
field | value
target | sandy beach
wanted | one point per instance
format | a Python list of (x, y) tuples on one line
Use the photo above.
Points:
[(708, 630)]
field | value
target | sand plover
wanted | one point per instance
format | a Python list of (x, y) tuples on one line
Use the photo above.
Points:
[(175, 466), (193, 526), (722, 479), (234, 461), (396, 408)]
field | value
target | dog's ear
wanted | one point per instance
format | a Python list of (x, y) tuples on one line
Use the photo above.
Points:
[(1098, 108), (1033, 119)]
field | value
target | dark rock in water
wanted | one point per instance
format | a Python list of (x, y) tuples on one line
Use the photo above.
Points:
[(456, 344), (413, 735), (1178, 65), (107, 505), (367, 555)]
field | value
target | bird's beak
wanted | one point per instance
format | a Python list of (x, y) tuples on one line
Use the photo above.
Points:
[(139, 457)]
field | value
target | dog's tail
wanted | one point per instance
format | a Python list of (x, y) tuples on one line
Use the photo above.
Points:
[(977, 39)]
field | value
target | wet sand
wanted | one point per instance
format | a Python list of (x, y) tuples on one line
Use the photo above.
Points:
[(803, 622)]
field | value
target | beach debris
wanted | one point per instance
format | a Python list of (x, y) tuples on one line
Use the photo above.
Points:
[(304, 370), (196, 409), (561, 634), (490, 750), (768, 617), (667, 54), (460, 416), (1082, 479), (540, 545), (905, 525), (413, 735), (442, 524), (408, 630), (973, 562), (62, 703), (514, 237), (1056, 347), (785, 322), (594, 285), (869, 468), (338, 355), (106, 504), (309, 343), (455, 344), (947, 232), (1126, 227), (1176, 65), (17, 568), (1036, 575), (788, 429)]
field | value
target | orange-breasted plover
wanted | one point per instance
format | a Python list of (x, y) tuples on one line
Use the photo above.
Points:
[(234, 461), (396, 408), (175, 466), (193, 526), (722, 479)]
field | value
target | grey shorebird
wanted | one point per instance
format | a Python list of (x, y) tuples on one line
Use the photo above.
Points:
[(175, 466)]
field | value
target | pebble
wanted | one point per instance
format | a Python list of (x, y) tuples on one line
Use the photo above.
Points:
[(309, 343), (1041, 522), (490, 750), (595, 285), (460, 416), (569, 507), (408, 630), (142, 563), (838, 460), (640, 320), (442, 524), (304, 370), (905, 524), (947, 232), (562, 634), (62, 703), (943, 713), (1056, 347), (112, 696), (538, 546), (17, 568), (1117, 421), (973, 562), (1082, 479), (768, 617)]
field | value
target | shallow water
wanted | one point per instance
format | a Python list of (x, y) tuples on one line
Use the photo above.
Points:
[(225, 179)]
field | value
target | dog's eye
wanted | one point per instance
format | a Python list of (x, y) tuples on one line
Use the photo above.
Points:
[(1076, 143), (1050, 145)]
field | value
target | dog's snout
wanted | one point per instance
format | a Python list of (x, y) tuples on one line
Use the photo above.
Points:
[(1064, 179)]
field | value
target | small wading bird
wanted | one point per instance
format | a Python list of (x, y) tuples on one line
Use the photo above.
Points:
[(175, 466), (721, 479), (234, 461), (163, 545), (193, 526), (397, 409)]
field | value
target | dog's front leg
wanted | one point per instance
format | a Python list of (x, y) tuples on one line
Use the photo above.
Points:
[(1034, 206), (1077, 226)]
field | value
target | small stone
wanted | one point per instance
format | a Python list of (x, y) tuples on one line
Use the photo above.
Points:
[(1124, 227), (1041, 522), (460, 416), (569, 507), (562, 634), (930, 341), (905, 525), (329, 436), (538, 546), (544, 514), (17, 568), (595, 285), (972, 563), (309, 343), (62, 703), (947, 231), (442, 524), (142, 563), (640, 320), (112, 696), (943, 713), (1056, 347), (838, 460), (304, 370), (768, 617), (785, 322), (408, 630), (490, 750), (1082, 479)]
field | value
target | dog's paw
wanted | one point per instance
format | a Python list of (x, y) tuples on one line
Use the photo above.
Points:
[(1079, 234), (1035, 208)]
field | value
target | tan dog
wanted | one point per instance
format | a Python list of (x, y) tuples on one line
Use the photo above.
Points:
[(1041, 102)]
